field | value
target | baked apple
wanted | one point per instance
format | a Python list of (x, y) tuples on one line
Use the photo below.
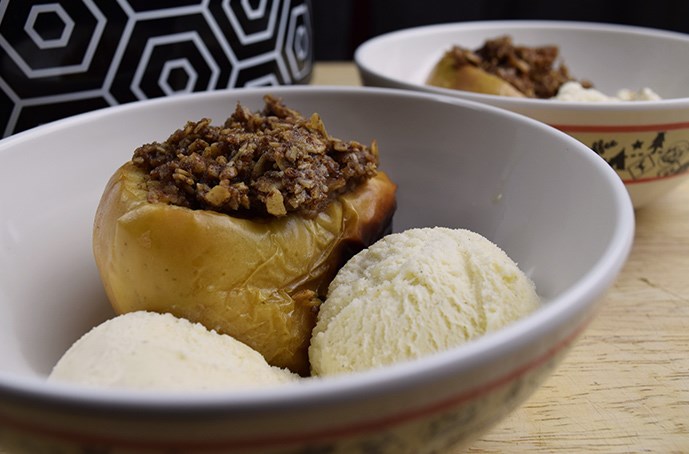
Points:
[(447, 74), (500, 67), (249, 247)]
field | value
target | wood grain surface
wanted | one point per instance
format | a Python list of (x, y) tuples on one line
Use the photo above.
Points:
[(624, 388)]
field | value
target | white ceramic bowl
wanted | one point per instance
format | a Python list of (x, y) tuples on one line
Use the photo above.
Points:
[(647, 143), (550, 202)]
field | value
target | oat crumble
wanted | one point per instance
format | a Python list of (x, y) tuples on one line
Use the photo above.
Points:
[(272, 162)]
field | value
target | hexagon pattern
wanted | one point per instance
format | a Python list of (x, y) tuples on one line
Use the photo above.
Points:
[(63, 57)]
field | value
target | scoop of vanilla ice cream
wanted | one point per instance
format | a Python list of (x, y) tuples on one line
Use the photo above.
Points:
[(415, 293), (146, 350), (644, 94), (574, 91)]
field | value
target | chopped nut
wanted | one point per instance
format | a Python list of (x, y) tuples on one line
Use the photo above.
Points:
[(218, 196), (275, 204)]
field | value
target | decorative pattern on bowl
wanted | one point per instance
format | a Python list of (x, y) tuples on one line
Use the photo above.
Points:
[(649, 159), (67, 57), (638, 153)]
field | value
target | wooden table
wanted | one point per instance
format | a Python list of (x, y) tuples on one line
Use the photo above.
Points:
[(624, 388)]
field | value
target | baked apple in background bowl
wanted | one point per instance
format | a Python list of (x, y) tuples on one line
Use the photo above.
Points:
[(645, 141), (448, 172)]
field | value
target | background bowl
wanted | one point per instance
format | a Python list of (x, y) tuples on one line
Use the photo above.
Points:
[(61, 58), (647, 143), (545, 198)]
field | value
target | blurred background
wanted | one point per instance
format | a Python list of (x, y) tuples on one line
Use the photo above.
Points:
[(63, 57), (341, 25)]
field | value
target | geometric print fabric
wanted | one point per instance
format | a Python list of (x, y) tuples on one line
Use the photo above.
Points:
[(60, 58)]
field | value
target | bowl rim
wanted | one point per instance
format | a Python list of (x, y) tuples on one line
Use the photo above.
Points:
[(316, 392), (366, 65)]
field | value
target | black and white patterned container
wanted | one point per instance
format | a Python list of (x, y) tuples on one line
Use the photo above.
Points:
[(63, 57)]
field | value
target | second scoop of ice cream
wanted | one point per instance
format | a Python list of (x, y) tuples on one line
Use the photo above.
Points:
[(151, 351), (415, 293)]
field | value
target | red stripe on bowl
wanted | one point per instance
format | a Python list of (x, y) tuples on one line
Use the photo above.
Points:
[(621, 128)]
